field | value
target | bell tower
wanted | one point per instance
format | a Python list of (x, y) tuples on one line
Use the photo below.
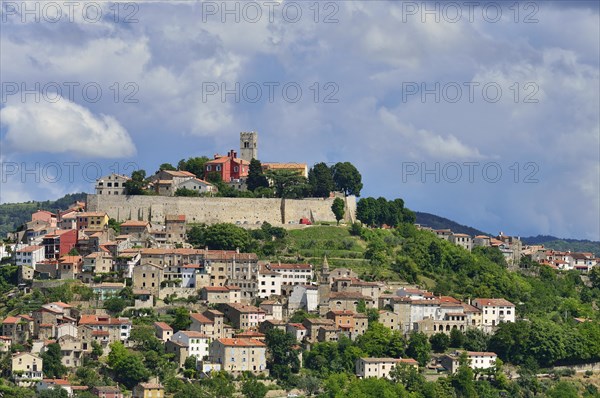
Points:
[(248, 145)]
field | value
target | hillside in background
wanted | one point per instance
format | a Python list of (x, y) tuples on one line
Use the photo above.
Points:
[(574, 245), (549, 241), (13, 215), (437, 222)]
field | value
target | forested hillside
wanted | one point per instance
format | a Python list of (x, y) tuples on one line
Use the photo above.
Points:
[(13, 215)]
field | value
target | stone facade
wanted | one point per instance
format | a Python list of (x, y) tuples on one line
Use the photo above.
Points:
[(211, 210)]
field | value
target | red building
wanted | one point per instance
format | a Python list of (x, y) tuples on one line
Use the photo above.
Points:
[(60, 243), (229, 167)]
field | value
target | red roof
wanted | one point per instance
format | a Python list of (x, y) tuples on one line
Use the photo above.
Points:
[(480, 302), (290, 266), (29, 249), (200, 318), (241, 342), (162, 326)]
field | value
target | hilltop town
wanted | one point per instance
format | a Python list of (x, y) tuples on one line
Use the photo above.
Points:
[(164, 300)]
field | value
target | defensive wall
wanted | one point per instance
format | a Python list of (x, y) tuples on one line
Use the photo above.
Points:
[(211, 210)]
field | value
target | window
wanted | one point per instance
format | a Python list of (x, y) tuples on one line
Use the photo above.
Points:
[(236, 169), (208, 168)]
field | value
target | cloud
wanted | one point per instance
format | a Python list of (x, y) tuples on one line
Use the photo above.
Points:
[(63, 127)]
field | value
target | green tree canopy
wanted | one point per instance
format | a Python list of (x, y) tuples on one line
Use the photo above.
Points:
[(347, 179), (52, 365), (256, 178), (320, 180), (338, 209)]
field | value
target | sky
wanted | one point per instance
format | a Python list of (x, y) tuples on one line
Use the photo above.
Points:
[(488, 115)]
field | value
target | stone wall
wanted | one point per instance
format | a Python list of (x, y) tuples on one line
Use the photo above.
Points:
[(214, 210)]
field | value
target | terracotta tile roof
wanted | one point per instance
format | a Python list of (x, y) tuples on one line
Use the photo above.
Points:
[(298, 326), (481, 354), (200, 318), (60, 382), (10, 320), (29, 249), (91, 214), (246, 309), (250, 334), (290, 266), (379, 360), (163, 326), (241, 342), (175, 217), (151, 386), (493, 302), (193, 334), (348, 295), (134, 223), (102, 320)]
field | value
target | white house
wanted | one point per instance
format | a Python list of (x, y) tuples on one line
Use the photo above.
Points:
[(477, 360), (112, 184), (196, 185), (30, 255), (375, 367), (293, 274), (269, 282), (494, 311), (197, 343)]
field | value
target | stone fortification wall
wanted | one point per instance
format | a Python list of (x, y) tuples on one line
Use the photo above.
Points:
[(214, 210)]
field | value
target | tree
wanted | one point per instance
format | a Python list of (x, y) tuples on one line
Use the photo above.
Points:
[(367, 210), (457, 338), (283, 359), (186, 192), (127, 367), (224, 236), (476, 340), (256, 179), (253, 388), (338, 209), (309, 383), (287, 183), (166, 166), (594, 276), (97, 350), (115, 225), (320, 180), (347, 179), (439, 342), (194, 166), (419, 348), (408, 376), (136, 185), (54, 392), (115, 304), (73, 252), (52, 365), (182, 319), (463, 380)]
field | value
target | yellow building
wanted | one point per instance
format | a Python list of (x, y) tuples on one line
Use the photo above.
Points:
[(148, 390), (92, 220)]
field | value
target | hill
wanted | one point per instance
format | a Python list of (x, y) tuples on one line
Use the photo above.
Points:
[(549, 241), (13, 215), (437, 222), (574, 245)]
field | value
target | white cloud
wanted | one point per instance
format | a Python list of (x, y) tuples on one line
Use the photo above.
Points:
[(64, 127)]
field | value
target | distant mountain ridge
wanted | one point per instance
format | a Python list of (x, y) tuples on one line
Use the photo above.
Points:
[(549, 241), (437, 222)]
